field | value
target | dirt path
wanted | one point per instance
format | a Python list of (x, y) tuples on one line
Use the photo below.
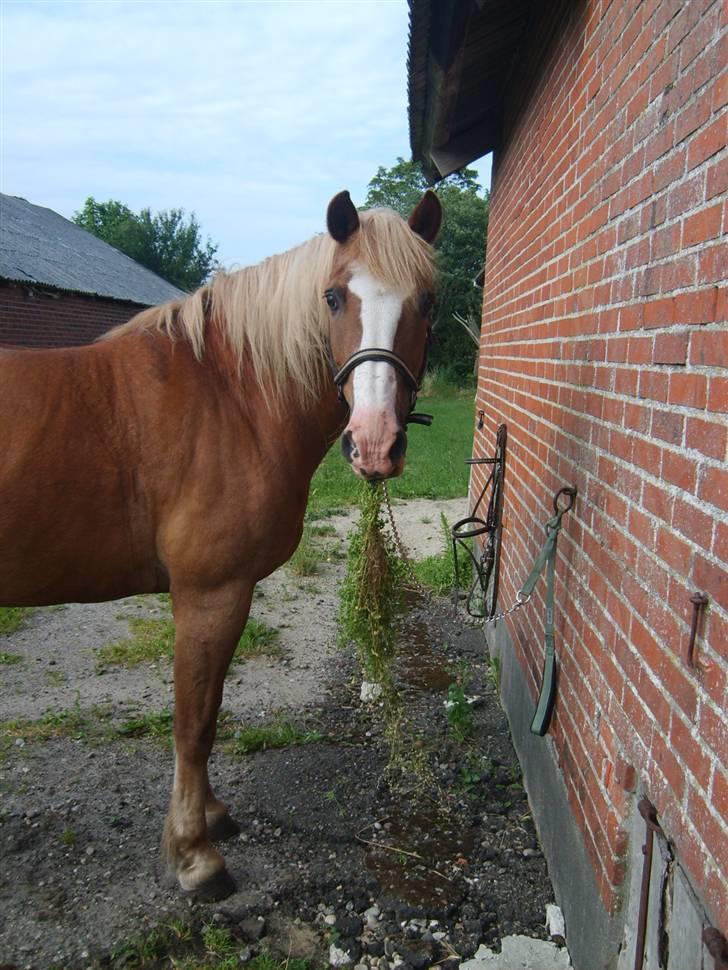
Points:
[(80, 814)]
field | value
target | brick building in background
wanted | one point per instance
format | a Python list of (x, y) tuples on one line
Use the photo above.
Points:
[(604, 348), (60, 286)]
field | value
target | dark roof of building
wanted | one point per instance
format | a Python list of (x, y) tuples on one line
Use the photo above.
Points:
[(39, 246), (462, 55)]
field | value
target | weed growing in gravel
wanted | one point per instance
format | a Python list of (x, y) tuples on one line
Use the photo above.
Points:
[(74, 722), (494, 673), (262, 737), (56, 677), (12, 618), (153, 641), (306, 559), (437, 572), (68, 837), (159, 725), (258, 638), (459, 711), (325, 529), (7, 659), (474, 769), (149, 948)]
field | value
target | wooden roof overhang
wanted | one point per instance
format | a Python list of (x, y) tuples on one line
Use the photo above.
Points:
[(462, 56)]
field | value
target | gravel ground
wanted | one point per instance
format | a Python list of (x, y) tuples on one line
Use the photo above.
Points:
[(333, 862)]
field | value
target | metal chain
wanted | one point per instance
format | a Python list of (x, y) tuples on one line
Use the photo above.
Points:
[(449, 609)]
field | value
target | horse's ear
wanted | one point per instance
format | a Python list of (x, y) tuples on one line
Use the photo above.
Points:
[(342, 219), (426, 218)]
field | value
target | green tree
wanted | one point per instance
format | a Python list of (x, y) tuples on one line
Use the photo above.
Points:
[(166, 243), (460, 248)]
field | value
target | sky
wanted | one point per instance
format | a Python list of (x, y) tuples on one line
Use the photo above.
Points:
[(250, 113)]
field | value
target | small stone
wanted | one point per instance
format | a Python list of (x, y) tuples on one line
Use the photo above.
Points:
[(338, 957), (532, 854), (370, 692), (348, 925)]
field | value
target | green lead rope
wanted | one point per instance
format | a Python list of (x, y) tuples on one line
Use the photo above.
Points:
[(547, 557)]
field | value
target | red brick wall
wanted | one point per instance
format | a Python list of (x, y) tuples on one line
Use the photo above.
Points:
[(32, 317), (604, 348)]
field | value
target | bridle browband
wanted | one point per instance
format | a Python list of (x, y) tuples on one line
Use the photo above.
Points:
[(387, 357)]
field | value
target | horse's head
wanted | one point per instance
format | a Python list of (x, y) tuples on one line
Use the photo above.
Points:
[(380, 297)]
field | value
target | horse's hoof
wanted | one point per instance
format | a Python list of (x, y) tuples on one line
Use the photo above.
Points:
[(219, 886), (221, 828)]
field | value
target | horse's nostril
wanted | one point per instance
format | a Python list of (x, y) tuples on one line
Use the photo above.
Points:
[(398, 449), (347, 446)]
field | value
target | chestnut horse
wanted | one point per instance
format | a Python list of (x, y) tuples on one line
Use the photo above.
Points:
[(177, 452)]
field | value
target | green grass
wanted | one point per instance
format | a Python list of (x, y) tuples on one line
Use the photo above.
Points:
[(12, 618), (88, 725), (306, 559), (158, 725), (263, 737), (178, 946), (437, 572), (152, 641), (8, 659), (435, 460)]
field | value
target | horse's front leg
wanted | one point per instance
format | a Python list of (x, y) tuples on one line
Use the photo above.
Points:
[(208, 626)]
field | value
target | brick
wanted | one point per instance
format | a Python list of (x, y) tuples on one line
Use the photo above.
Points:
[(718, 395), (690, 752), (708, 142), (689, 390), (679, 470), (714, 486), (709, 348), (692, 523), (707, 436), (670, 348), (712, 263), (713, 728), (702, 226), (716, 180), (712, 578)]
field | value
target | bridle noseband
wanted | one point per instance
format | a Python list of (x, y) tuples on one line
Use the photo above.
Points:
[(387, 357)]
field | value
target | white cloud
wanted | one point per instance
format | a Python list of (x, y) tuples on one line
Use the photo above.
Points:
[(251, 114)]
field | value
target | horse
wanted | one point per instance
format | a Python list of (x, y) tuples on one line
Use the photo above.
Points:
[(175, 454)]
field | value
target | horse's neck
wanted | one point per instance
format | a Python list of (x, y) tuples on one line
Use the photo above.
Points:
[(304, 425)]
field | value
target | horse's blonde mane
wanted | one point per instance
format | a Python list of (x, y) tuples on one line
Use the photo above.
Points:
[(273, 315)]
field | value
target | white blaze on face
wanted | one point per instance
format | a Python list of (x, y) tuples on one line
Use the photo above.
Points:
[(374, 382)]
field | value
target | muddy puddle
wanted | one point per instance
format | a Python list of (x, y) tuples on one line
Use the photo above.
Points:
[(418, 665), (416, 858), (417, 855)]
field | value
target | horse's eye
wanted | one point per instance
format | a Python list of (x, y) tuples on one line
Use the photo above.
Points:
[(332, 300), (427, 304)]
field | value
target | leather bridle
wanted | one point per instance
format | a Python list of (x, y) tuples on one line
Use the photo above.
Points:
[(388, 357)]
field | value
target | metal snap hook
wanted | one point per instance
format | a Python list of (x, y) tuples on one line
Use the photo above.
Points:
[(571, 494)]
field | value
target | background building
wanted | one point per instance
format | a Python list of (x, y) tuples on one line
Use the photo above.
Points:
[(60, 286)]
